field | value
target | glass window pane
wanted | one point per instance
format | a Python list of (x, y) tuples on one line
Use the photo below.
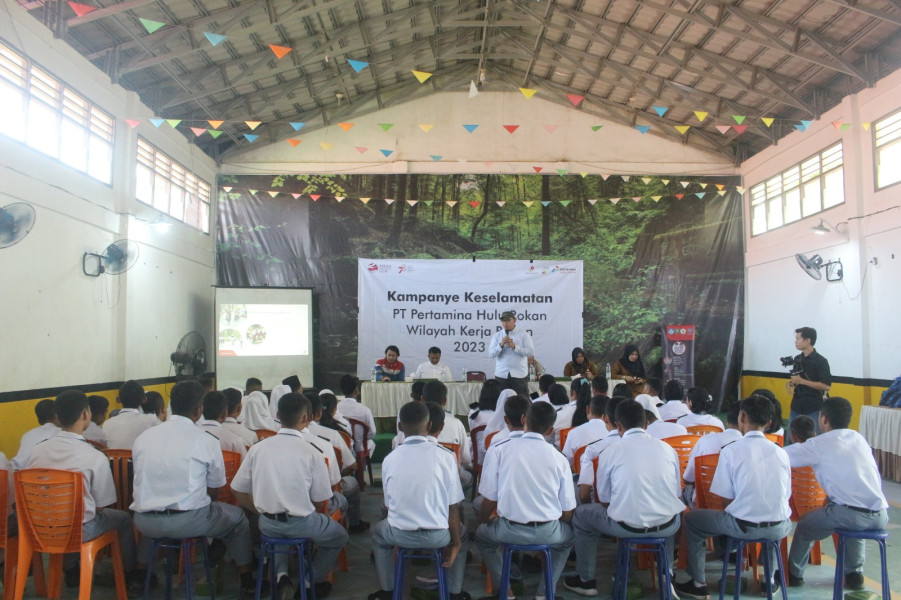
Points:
[(834, 193), (73, 150), (177, 203), (12, 107), (205, 217), (774, 213), (758, 219), (792, 205), (100, 159), (161, 194), (812, 201), (42, 132), (888, 165), (144, 184)]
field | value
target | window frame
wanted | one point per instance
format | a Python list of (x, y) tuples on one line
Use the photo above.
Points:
[(154, 168), (876, 148)]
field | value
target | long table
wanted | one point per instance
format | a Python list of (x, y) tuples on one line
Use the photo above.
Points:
[(880, 425)]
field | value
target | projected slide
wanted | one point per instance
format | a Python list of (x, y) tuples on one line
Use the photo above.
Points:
[(263, 330)]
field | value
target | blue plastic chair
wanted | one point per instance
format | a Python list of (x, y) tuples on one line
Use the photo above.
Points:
[(171, 545), (509, 549), (879, 536), (656, 546), (270, 546), (737, 545), (403, 554)]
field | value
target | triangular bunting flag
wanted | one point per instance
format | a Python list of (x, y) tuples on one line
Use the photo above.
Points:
[(227, 188), (643, 128), (660, 110), (473, 89), (646, 180), (436, 157), (700, 195), (584, 174), (215, 133), (294, 142), (386, 126), (389, 201), (656, 198), (866, 126), (427, 127), (768, 121), (345, 126), (474, 203), (451, 203), (488, 163), (704, 186), (665, 181), (157, 122), (636, 198), (252, 124), (625, 177), (803, 125), (326, 145), (596, 127), (297, 126), (700, 115), (279, 51), (412, 202), (386, 152), (365, 200), (511, 128), (545, 203), (527, 92), (173, 123), (315, 197), (253, 192), (215, 124), (537, 169), (470, 128), (272, 194), (740, 189), (683, 129), (214, 38), (250, 137), (724, 129), (421, 76), (722, 192), (614, 200), (739, 119), (500, 203), (684, 184), (151, 26), (845, 126), (837, 125), (575, 99), (133, 122), (529, 203), (81, 9), (340, 198), (565, 203), (551, 128), (357, 65), (198, 131), (361, 149), (296, 196), (740, 128), (561, 172), (592, 201), (680, 196), (604, 176)]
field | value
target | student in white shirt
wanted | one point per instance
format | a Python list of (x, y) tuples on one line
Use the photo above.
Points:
[(454, 430), (233, 398), (638, 495), (416, 396), (122, 430), (706, 445), (754, 474), (655, 427), (700, 403), (350, 408), (593, 450), (423, 496), (844, 465), (99, 406), (48, 427), (515, 409), (544, 384), (285, 493), (215, 407), (289, 385), (591, 431), (256, 414), (673, 407), (482, 412), (564, 406), (178, 471), (653, 387), (433, 368)]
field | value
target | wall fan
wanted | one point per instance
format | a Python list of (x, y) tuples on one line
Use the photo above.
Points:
[(189, 358), (16, 220), (813, 266), (117, 258)]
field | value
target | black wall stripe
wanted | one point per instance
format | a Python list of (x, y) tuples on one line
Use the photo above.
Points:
[(87, 388), (849, 380)]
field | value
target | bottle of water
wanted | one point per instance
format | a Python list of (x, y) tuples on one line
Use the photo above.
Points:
[(373, 377), (531, 372), (607, 372), (463, 374)]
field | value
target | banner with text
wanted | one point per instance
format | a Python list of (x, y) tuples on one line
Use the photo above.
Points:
[(679, 354), (456, 305)]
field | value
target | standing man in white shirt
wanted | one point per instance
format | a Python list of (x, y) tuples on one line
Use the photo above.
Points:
[(215, 407), (48, 427), (512, 347), (178, 471), (351, 408), (122, 430), (755, 475), (433, 368), (638, 496), (844, 465), (285, 493)]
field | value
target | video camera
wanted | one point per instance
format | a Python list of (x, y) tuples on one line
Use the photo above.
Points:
[(794, 363)]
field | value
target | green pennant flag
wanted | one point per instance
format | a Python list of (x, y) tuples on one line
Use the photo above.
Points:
[(173, 123), (596, 127), (565, 203), (151, 26), (215, 132), (386, 126)]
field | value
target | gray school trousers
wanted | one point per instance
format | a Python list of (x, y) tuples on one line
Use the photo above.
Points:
[(385, 538), (821, 523), (328, 534)]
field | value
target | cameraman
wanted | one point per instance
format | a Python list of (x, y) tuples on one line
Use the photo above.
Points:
[(810, 377)]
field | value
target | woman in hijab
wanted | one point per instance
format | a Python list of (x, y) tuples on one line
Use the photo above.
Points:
[(580, 365), (630, 369), (256, 412)]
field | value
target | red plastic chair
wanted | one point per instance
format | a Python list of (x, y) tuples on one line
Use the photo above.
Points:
[(807, 495), (362, 455), (50, 506), (262, 434), (454, 447), (232, 462), (488, 439), (11, 546), (122, 465), (577, 459)]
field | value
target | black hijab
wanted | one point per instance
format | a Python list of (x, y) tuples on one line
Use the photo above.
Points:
[(635, 368)]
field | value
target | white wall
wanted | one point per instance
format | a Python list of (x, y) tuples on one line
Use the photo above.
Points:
[(59, 326), (857, 319)]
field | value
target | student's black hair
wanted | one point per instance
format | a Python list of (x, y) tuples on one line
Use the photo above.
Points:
[(292, 381), (700, 400), (600, 384), (99, 405), (413, 415), (69, 407), (291, 407), (213, 405), (732, 413), (776, 421), (131, 394), (329, 404), (758, 409), (622, 389), (435, 391), (394, 348), (599, 405), (515, 408), (655, 384), (630, 414), (540, 417), (557, 395), (612, 403), (436, 418), (233, 397), (803, 428), (545, 382), (491, 389), (252, 382), (808, 333), (315, 403), (583, 399), (185, 397), (673, 390), (837, 411), (416, 390), (206, 381), (432, 350), (153, 403), (348, 385), (45, 411)]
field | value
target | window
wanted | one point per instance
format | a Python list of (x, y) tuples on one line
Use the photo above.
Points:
[(887, 137), (807, 188), (171, 188), (44, 113)]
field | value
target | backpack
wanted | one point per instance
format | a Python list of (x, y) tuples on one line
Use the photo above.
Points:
[(892, 396)]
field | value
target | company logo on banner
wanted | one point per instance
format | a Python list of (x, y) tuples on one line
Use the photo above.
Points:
[(679, 354), (456, 305)]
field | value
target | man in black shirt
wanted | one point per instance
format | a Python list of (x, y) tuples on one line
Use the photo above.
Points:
[(808, 385)]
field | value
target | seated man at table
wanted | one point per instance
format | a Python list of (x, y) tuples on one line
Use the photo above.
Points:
[(433, 368), (351, 408)]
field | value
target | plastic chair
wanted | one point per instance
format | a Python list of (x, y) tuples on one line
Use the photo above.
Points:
[(705, 467), (683, 445), (577, 459), (488, 439), (564, 433), (703, 429), (50, 506), (122, 465), (807, 495), (877, 535), (509, 549), (362, 455), (454, 447), (270, 546), (738, 545), (262, 434), (96, 444), (476, 457), (776, 439), (655, 546), (186, 545), (475, 376), (232, 462), (11, 546), (404, 554)]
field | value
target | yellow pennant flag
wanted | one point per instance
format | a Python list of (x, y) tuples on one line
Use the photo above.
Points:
[(215, 124), (422, 76), (701, 115), (866, 126), (427, 127), (527, 92), (326, 145), (253, 124), (768, 121), (365, 200), (683, 129)]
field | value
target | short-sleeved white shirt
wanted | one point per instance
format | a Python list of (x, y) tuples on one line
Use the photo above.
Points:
[(592, 451), (529, 478), (123, 429), (755, 473), (347, 457), (662, 430), (421, 482), (95, 433), (175, 462), (691, 419), (706, 445), (285, 474), (70, 452), (351, 409), (31, 438), (327, 452), (584, 434), (247, 436), (454, 432), (673, 409), (228, 440), (639, 477), (427, 370)]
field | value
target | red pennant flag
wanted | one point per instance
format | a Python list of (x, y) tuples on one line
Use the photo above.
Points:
[(315, 197), (511, 128), (133, 122), (474, 203), (680, 196), (81, 9), (279, 51), (538, 169), (575, 99), (740, 128)]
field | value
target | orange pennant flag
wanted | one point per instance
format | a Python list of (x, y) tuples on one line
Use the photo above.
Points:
[(293, 142), (81, 9), (215, 124), (279, 51), (345, 126)]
